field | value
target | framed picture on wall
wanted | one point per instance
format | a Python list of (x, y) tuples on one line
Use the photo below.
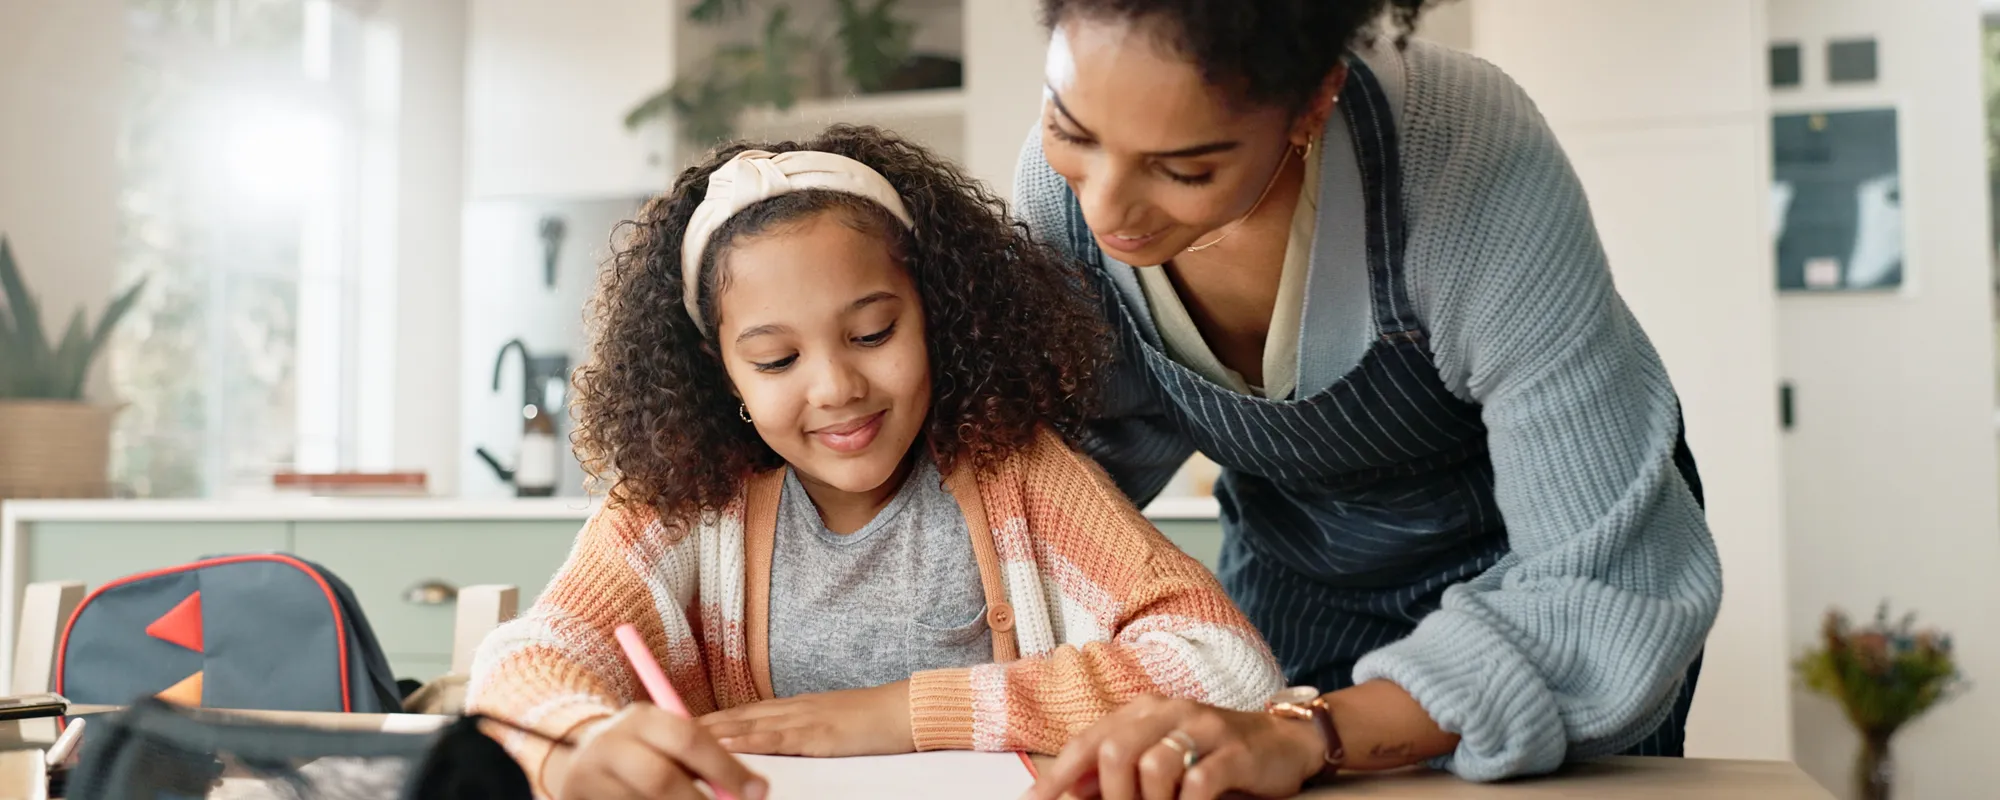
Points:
[(1837, 200)]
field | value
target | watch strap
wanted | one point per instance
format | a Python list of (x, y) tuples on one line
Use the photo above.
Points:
[(1329, 733)]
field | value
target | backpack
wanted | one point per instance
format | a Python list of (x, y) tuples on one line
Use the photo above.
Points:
[(255, 631)]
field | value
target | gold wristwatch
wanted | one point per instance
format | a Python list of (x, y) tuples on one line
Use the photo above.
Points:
[(1307, 704)]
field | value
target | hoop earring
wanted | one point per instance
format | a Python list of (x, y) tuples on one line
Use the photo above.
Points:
[(743, 411)]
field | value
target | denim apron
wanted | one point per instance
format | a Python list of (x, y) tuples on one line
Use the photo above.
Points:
[(1348, 512)]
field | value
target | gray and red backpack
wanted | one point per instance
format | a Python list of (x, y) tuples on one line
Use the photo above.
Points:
[(253, 631)]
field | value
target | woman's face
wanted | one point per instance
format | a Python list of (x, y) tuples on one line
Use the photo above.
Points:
[(822, 335), (1158, 158)]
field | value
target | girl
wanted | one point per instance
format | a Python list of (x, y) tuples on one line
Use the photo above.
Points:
[(826, 388)]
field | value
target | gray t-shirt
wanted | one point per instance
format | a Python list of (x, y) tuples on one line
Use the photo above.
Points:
[(899, 596)]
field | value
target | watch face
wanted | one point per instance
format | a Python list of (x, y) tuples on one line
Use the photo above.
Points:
[(1294, 696)]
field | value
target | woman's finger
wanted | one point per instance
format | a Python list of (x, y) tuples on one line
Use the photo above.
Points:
[(1077, 759), (1229, 768), (1160, 770), (1118, 766), (683, 741)]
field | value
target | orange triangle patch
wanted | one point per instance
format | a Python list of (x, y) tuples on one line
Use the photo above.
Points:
[(182, 625), (185, 693)]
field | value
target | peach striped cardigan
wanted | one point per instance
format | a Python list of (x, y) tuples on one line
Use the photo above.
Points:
[(1088, 603)]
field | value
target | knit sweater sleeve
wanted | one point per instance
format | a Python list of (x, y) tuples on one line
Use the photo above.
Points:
[(1131, 438), (558, 667), (1123, 613), (1575, 644)]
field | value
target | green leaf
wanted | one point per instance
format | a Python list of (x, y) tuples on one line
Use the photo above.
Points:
[(658, 104), (874, 41), (11, 362), (71, 364), (113, 314), (29, 367), (27, 315), (709, 12)]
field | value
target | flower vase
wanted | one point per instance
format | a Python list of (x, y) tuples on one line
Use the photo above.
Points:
[(1874, 767)]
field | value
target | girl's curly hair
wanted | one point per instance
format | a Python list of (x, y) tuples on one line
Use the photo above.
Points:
[(1014, 330)]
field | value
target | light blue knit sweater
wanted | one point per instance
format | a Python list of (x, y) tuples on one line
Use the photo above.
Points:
[(1574, 644)]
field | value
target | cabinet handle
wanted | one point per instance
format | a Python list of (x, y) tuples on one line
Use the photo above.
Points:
[(432, 592)]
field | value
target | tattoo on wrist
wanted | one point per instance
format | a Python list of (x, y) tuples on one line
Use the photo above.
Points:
[(1397, 750)]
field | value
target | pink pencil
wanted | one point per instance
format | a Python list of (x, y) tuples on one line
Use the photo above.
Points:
[(655, 680)]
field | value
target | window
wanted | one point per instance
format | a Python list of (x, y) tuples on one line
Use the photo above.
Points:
[(240, 153)]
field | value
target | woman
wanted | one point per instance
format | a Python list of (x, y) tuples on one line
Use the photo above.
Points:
[(1360, 275)]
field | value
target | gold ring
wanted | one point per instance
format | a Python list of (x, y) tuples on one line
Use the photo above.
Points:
[(1184, 744)]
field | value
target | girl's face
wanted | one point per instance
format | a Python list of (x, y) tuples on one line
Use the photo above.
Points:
[(822, 334), (1159, 159)]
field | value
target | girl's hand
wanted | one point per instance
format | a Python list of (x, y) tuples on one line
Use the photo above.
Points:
[(1122, 757), (853, 722), (644, 753)]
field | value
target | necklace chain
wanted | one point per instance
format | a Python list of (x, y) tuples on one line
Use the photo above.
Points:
[(1231, 228)]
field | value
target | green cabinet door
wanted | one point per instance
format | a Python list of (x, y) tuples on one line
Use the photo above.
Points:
[(384, 561), (99, 552), (1201, 538)]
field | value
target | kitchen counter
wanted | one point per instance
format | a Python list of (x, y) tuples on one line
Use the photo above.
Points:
[(403, 557), (14, 512)]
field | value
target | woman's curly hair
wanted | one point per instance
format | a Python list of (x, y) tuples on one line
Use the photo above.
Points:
[(1276, 52), (1014, 330)]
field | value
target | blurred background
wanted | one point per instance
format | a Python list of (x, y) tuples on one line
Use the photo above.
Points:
[(366, 230)]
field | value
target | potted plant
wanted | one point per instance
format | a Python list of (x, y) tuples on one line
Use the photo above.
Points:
[(875, 42), (872, 42), (52, 442), (1883, 675), (740, 76)]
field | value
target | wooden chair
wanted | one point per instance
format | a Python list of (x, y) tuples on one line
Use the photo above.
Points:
[(480, 610), (45, 609)]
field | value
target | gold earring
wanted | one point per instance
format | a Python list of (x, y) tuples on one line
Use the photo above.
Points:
[(743, 411)]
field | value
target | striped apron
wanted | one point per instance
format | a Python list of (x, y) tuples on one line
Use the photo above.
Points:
[(1348, 512)]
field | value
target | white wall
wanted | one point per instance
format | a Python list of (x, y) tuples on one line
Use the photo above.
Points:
[(433, 156), (505, 298), (1661, 107), (1890, 470), (547, 87), (1003, 79), (60, 84), (1448, 24)]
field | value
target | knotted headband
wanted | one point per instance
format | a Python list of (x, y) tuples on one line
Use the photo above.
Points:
[(755, 175)]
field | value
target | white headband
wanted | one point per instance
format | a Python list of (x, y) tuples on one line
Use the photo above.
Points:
[(755, 175)]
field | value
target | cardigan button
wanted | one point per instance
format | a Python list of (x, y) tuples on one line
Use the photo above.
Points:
[(1001, 617)]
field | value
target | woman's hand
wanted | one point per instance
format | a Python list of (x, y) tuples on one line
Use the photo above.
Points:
[(645, 753), (1125, 756), (853, 722)]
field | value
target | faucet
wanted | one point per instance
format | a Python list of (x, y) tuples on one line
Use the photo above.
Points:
[(542, 387)]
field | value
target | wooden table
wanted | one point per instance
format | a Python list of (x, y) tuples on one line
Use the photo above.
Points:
[(1622, 778)]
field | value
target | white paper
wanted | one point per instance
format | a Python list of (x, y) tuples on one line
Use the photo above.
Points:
[(952, 775)]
